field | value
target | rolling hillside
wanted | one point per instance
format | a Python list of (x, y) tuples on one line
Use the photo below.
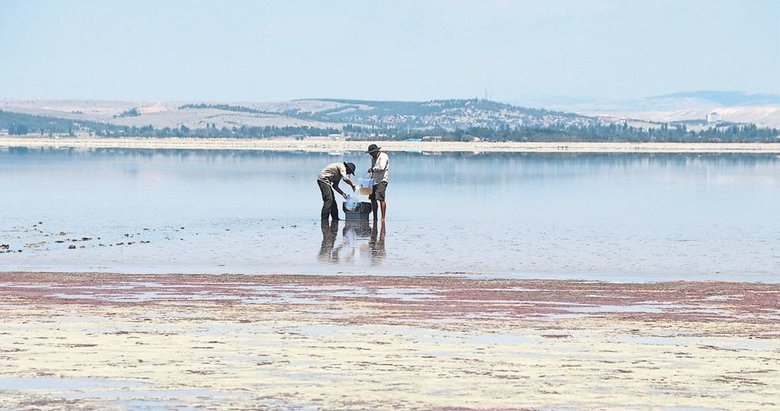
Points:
[(359, 119)]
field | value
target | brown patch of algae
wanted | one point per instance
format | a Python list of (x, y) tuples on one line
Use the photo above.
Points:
[(102, 341)]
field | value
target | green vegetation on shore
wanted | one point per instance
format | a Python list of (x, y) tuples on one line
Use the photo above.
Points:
[(444, 120)]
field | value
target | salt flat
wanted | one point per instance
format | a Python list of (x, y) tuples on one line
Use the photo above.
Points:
[(111, 341)]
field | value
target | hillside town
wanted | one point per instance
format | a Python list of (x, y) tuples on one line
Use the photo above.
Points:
[(449, 120)]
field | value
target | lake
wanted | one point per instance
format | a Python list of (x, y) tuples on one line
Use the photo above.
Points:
[(613, 217)]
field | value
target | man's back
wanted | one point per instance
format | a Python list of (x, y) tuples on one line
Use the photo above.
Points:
[(332, 173)]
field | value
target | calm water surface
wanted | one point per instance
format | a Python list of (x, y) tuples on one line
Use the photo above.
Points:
[(617, 217)]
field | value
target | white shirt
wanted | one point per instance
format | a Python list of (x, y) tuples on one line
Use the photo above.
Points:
[(380, 167)]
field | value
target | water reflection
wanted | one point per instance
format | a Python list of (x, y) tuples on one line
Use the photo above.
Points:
[(361, 243), (329, 231), (377, 245), (596, 216)]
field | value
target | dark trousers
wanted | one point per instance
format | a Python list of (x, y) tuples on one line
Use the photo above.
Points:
[(329, 207)]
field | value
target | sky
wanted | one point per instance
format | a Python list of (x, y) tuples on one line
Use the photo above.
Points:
[(416, 50)]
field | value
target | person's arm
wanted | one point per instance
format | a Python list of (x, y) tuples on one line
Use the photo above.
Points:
[(351, 184), (344, 178), (338, 190)]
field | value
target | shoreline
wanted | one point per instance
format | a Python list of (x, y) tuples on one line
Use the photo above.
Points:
[(342, 146), (103, 341)]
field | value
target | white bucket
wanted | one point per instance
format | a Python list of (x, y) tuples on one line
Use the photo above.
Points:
[(366, 186)]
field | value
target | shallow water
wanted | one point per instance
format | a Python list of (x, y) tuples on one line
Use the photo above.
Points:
[(627, 217)]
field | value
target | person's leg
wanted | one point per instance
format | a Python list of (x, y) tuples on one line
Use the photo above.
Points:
[(327, 200), (334, 208), (372, 197), (380, 191)]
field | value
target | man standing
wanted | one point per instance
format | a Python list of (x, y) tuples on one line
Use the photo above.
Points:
[(380, 169), (328, 180)]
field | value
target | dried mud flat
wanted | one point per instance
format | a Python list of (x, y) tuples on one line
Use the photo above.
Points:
[(102, 341)]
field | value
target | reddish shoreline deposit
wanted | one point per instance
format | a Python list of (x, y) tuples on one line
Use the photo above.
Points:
[(445, 297), (80, 340)]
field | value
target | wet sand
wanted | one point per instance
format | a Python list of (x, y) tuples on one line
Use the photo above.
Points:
[(103, 341), (336, 146)]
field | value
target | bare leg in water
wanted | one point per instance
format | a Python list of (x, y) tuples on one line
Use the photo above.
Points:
[(377, 206)]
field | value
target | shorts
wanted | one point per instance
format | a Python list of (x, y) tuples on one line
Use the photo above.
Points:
[(379, 191)]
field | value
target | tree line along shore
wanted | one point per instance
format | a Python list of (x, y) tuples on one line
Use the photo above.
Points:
[(451, 121), (340, 146)]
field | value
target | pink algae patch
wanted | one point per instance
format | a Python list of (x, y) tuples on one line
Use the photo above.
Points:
[(412, 297)]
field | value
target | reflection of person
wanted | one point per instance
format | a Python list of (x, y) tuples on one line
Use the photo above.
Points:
[(329, 232), (353, 244), (380, 168), (356, 230), (328, 180), (377, 245)]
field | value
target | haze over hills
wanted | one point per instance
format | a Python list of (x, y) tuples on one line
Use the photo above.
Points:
[(763, 110), (321, 113), (725, 98), (731, 106), (679, 113)]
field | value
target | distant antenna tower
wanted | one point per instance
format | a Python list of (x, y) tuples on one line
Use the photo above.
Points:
[(486, 94)]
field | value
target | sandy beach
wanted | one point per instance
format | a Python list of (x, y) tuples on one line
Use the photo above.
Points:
[(103, 341), (337, 146)]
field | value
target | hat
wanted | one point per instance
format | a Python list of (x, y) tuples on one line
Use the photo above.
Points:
[(372, 148), (350, 168)]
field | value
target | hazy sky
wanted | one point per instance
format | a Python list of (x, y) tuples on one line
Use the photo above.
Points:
[(385, 50)]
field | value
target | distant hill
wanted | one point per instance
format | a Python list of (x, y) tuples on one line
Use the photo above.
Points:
[(453, 119), (724, 98), (762, 110), (445, 115), (20, 124)]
